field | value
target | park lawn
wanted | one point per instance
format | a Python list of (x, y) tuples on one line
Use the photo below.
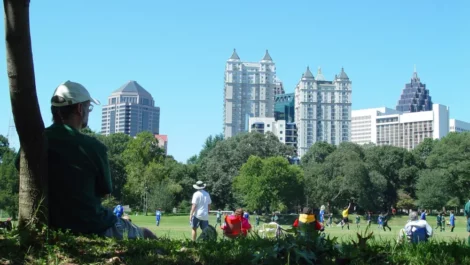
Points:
[(177, 227)]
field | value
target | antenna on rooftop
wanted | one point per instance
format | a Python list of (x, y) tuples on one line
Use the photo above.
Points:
[(11, 135)]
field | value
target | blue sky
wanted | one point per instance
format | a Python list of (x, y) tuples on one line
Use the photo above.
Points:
[(177, 50)]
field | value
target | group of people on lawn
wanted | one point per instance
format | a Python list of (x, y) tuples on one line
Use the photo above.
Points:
[(79, 177)]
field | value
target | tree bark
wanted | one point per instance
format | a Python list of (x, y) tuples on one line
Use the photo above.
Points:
[(33, 210)]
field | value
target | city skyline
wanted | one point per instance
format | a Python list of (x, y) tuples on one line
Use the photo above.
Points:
[(181, 61)]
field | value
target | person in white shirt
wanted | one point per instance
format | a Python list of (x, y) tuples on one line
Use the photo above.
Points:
[(199, 215)]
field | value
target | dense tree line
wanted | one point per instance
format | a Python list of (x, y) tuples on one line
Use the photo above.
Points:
[(252, 170)]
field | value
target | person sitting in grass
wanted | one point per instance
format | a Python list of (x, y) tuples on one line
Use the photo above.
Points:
[(78, 170), (307, 222), (237, 215), (415, 230)]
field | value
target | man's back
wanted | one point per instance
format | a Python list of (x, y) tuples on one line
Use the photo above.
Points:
[(202, 199), (78, 179)]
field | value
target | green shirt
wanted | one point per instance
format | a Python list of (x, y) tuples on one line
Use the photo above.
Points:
[(79, 177), (467, 209)]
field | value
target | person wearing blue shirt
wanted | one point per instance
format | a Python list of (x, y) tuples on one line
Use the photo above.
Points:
[(322, 216), (118, 211), (423, 215), (452, 221), (246, 215), (158, 216)]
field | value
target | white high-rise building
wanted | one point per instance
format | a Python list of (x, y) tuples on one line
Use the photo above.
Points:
[(264, 125), (384, 126), (364, 126), (130, 110), (458, 126), (322, 110), (249, 92)]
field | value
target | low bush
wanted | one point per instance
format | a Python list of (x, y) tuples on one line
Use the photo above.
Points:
[(65, 248)]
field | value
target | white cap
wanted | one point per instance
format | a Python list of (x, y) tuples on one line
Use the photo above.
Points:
[(73, 93)]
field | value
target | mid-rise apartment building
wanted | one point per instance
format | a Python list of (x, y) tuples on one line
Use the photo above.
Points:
[(458, 126), (285, 132), (382, 126)]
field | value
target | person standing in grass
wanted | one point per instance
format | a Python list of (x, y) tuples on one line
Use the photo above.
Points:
[(199, 214), (438, 221), (369, 218), (330, 219), (380, 221), (423, 215), (158, 216), (358, 221), (385, 222), (443, 222), (452, 221), (466, 212), (345, 214), (218, 220), (257, 218)]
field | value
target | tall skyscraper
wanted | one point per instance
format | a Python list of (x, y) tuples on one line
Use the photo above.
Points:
[(322, 110), (130, 110), (415, 97), (248, 92)]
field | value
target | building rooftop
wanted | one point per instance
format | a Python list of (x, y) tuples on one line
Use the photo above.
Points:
[(343, 74), (132, 87), (308, 74), (267, 57), (235, 55)]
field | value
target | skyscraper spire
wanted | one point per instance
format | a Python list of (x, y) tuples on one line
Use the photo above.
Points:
[(267, 57), (308, 74), (320, 76), (415, 74), (234, 55)]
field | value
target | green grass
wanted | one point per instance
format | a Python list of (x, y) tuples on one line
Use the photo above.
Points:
[(177, 227), (63, 248)]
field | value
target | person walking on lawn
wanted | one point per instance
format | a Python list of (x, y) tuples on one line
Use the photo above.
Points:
[(199, 214)]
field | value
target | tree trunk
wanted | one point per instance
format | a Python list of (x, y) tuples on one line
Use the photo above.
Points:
[(33, 210)]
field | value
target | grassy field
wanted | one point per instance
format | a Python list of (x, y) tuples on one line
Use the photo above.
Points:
[(177, 227)]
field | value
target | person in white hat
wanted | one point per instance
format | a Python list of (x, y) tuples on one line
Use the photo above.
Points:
[(199, 215), (78, 170)]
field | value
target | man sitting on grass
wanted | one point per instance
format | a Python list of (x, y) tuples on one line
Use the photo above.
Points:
[(78, 170), (415, 230)]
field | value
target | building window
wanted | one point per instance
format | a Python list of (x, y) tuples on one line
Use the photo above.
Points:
[(280, 132)]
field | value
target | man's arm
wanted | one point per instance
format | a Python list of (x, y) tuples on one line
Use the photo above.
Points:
[(193, 208)]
